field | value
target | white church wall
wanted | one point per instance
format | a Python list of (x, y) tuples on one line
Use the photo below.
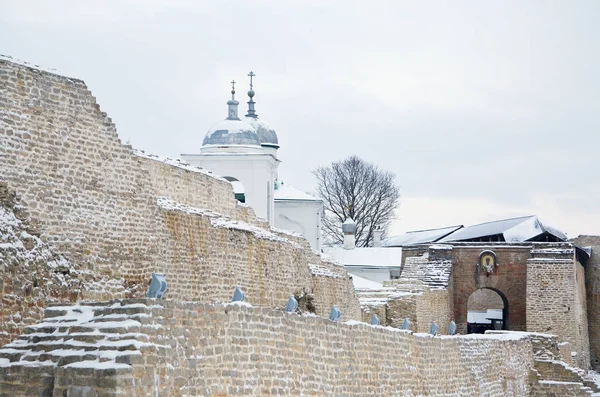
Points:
[(303, 217), (256, 172)]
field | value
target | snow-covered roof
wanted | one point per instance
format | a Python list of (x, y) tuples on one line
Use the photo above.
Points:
[(363, 283), (368, 256), (420, 236), (289, 192), (513, 230)]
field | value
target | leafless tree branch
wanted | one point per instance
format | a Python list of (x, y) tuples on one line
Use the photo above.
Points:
[(360, 190)]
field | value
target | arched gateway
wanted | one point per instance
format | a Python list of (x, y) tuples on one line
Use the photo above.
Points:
[(503, 271)]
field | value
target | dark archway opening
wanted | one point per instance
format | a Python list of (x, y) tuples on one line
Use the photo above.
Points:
[(487, 309), (238, 189)]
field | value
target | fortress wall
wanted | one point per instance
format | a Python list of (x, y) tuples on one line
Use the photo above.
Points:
[(265, 352), (581, 317), (236, 350), (193, 186), (95, 201), (403, 307), (433, 306), (553, 303), (204, 262), (592, 288)]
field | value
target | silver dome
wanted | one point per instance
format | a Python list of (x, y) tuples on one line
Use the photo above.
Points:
[(266, 135), (232, 132)]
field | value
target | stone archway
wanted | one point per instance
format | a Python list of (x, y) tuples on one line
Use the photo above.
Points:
[(487, 308)]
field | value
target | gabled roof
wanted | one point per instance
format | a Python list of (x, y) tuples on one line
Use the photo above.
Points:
[(521, 229), (420, 236)]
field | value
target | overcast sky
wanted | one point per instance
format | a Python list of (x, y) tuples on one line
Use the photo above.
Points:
[(483, 109)]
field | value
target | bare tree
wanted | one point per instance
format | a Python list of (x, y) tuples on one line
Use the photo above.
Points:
[(360, 190)]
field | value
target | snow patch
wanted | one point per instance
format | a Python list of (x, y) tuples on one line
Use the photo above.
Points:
[(177, 163), (221, 221)]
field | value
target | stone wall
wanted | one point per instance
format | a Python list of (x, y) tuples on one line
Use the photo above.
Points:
[(555, 304), (433, 306), (229, 350), (592, 288), (98, 203)]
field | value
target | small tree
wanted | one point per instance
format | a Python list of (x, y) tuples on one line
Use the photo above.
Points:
[(360, 190)]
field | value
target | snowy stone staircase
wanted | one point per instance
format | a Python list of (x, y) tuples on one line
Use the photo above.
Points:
[(554, 376), (106, 336)]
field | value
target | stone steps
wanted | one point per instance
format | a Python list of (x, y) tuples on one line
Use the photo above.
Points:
[(105, 333), (557, 375)]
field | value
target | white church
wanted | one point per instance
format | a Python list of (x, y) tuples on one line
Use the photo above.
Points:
[(243, 150)]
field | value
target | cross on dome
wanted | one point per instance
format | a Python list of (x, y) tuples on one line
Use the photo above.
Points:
[(251, 74)]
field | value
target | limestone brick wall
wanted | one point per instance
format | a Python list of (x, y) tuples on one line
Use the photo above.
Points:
[(581, 318), (592, 287), (194, 188), (237, 350), (32, 274), (433, 306), (554, 304), (96, 202), (403, 307)]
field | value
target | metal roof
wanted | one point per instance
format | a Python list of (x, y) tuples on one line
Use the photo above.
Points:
[(420, 236), (520, 229), (231, 132)]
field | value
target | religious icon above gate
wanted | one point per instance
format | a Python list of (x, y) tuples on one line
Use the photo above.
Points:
[(487, 261)]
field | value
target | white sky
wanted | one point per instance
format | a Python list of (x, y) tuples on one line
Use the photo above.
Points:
[(484, 110)]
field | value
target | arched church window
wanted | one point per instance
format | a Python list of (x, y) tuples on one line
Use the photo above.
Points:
[(238, 189)]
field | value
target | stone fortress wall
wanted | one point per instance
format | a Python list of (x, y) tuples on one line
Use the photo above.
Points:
[(117, 215), (592, 289), (228, 350)]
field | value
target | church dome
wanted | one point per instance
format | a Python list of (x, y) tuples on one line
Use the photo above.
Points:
[(232, 132), (266, 135)]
